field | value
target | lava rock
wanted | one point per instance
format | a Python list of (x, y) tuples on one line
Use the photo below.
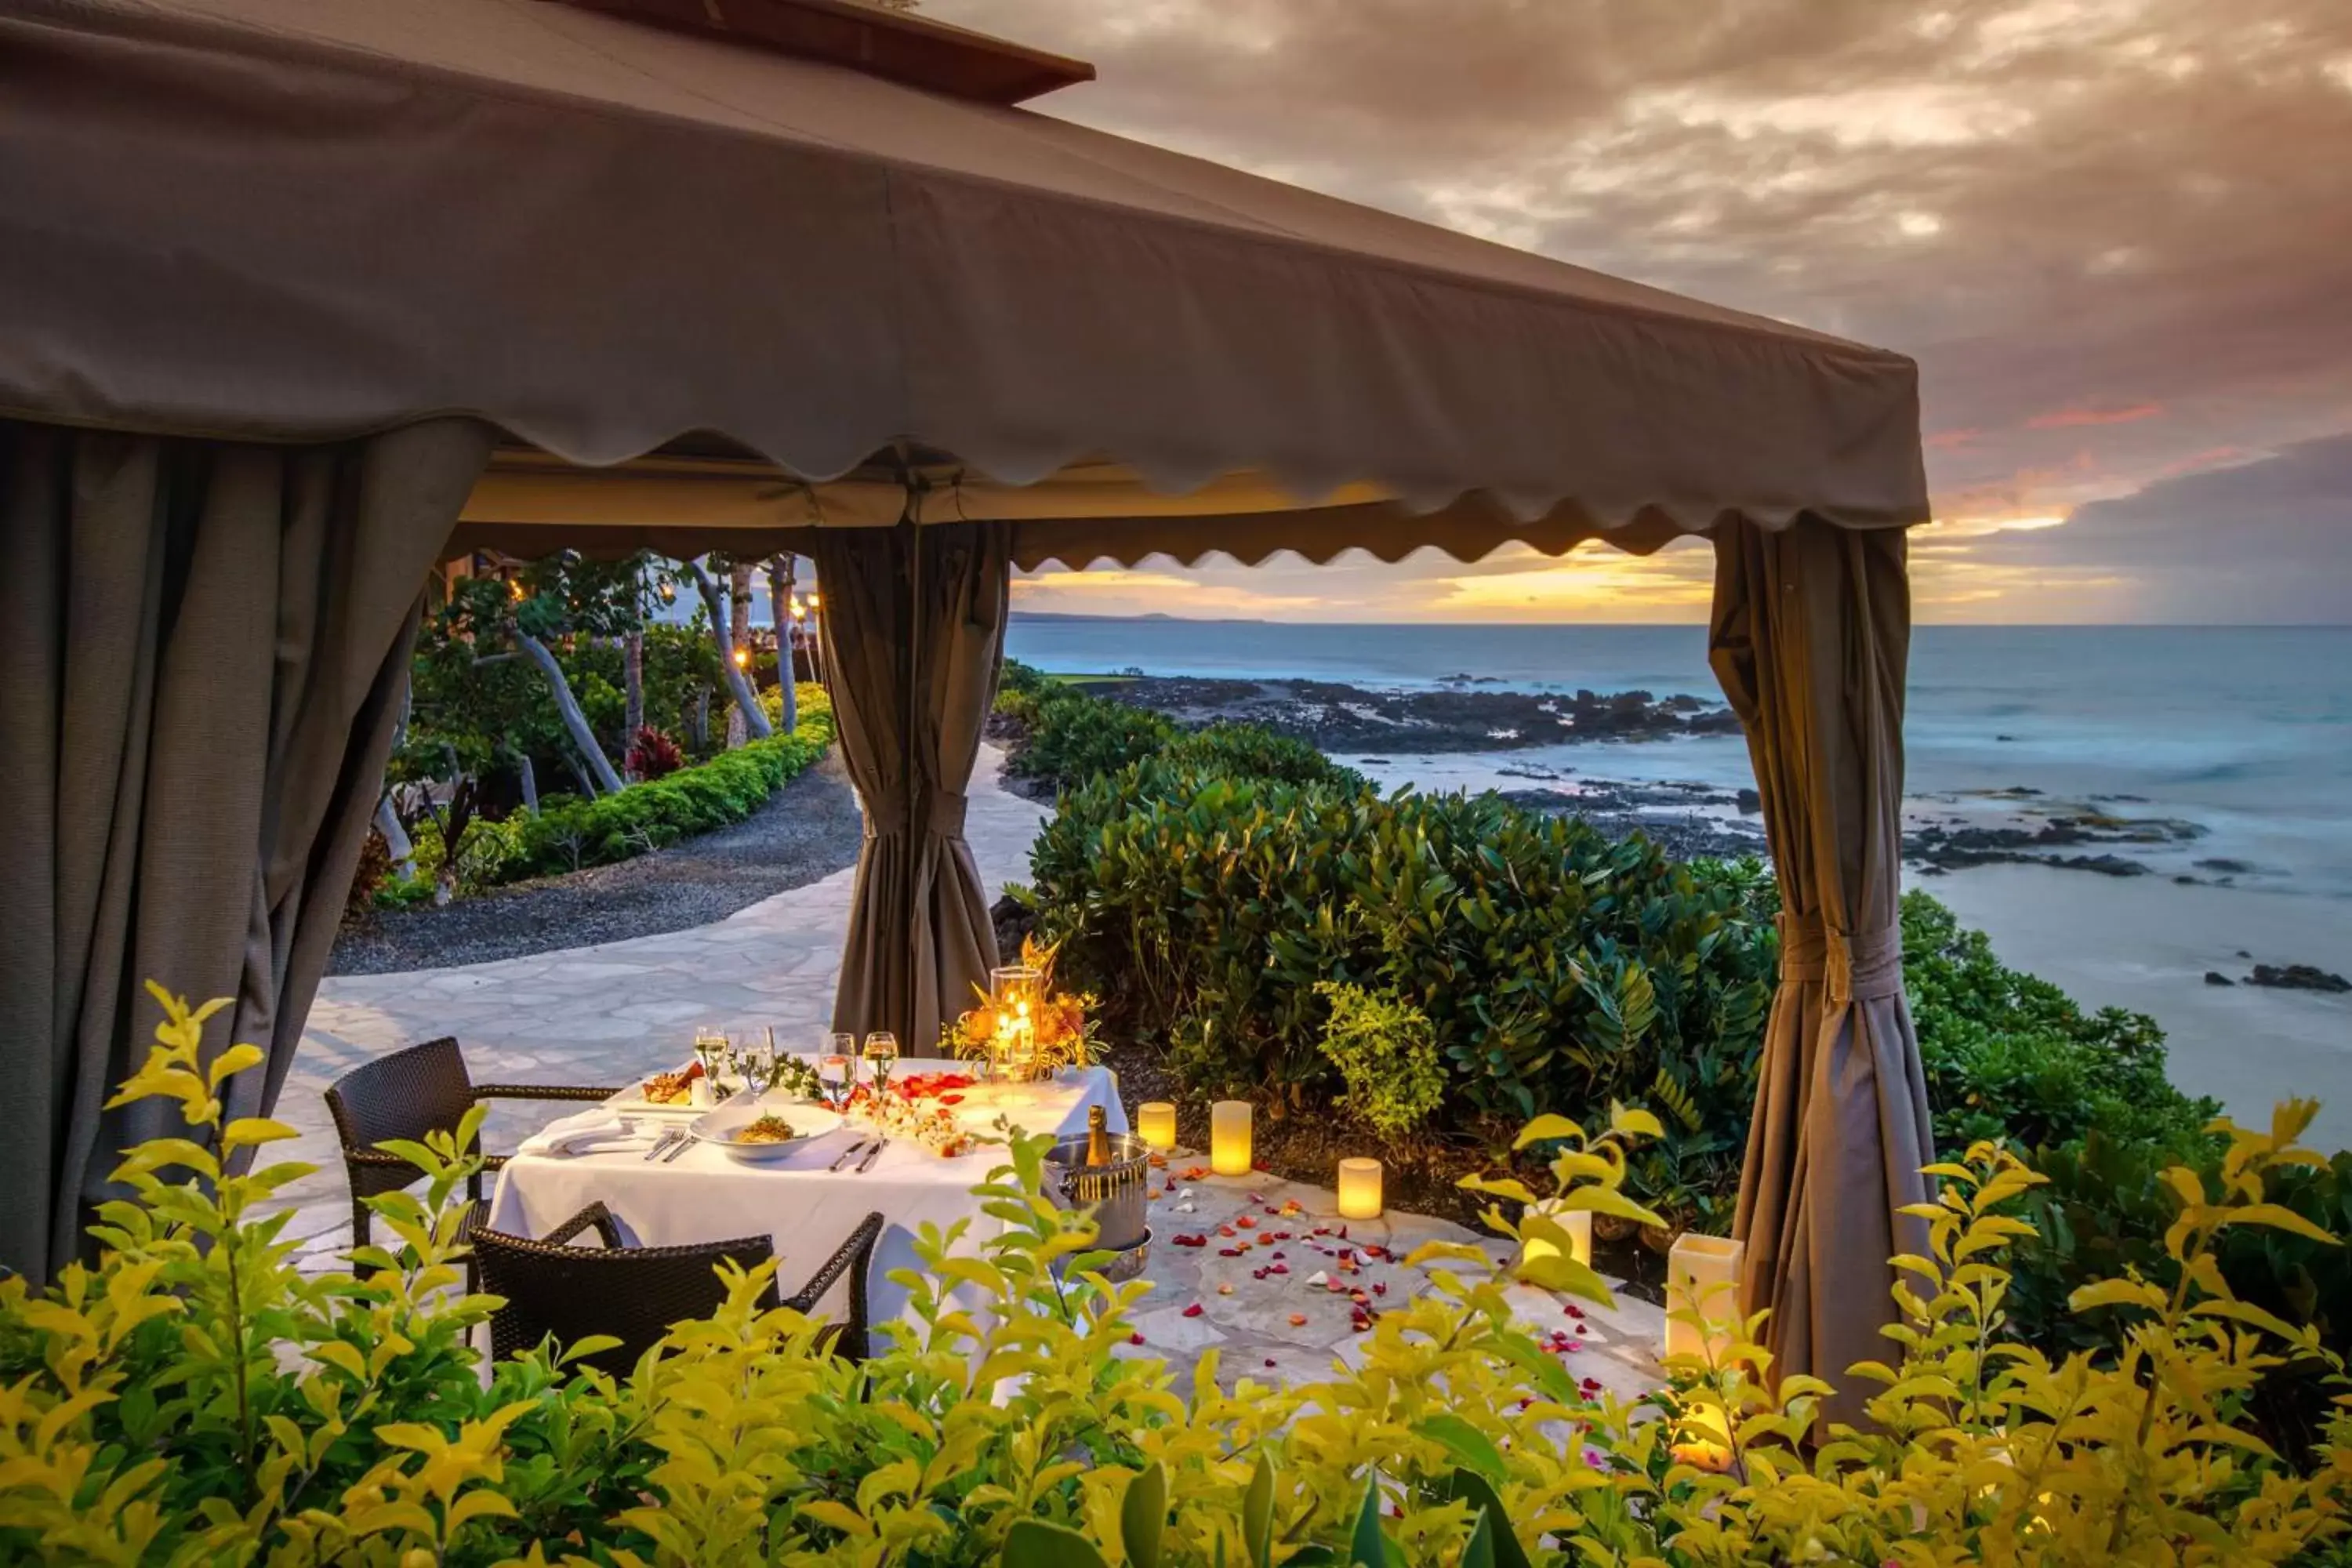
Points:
[(2215, 977), (2297, 977)]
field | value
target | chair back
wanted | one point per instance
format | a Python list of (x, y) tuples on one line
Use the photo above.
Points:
[(406, 1094), (634, 1294)]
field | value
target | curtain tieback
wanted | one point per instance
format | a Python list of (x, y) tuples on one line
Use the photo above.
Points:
[(1804, 947), (1865, 965), (944, 816)]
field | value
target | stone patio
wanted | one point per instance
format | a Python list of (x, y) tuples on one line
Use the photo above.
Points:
[(616, 1012)]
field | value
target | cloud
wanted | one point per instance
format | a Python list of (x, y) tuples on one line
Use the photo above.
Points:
[(2078, 215), (2076, 419), (2265, 540), (1120, 592)]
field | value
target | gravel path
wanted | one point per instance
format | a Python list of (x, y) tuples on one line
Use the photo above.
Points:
[(808, 830)]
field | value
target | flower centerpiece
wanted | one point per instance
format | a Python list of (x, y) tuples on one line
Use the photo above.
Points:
[(1023, 1030)]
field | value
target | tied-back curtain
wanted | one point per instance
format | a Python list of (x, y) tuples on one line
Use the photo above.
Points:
[(913, 629), (1810, 630), (203, 648)]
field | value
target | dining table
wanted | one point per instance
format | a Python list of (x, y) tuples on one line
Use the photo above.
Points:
[(806, 1202)]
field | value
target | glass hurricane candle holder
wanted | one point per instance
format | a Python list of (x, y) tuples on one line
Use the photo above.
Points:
[(1016, 1000)]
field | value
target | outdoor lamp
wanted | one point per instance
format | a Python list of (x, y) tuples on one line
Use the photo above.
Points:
[(811, 599), (1229, 1138), (1703, 1279), (668, 591), (1577, 1223), (800, 611), (1155, 1123), (1360, 1189)]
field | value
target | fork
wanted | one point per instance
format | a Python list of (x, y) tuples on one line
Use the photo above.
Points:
[(669, 1136), (847, 1155), (871, 1155)]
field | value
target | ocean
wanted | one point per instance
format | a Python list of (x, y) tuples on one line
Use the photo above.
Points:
[(2245, 731)]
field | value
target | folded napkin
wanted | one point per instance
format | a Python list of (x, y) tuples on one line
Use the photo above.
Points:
[(596, 1132)]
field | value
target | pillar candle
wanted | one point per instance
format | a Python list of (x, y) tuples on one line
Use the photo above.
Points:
[(1155, 1123), (1360, 1189), (1229, 1137), (1578, 1223), (1703, 1277)]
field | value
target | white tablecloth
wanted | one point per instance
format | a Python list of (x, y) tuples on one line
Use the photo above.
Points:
[(806, 1210)]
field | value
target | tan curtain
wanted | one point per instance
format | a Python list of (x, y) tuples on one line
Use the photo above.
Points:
[(203, 647), (1811, 626), (913, 629)]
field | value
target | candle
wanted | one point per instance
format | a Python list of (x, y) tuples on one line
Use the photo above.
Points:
[(1155, 1122), (1703, 1439), (1703, 1275), (1229, 1138), (1577, 1223), (1360, 1189)]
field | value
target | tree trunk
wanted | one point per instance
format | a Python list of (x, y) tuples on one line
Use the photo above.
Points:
[(739, 687), (580, 771), (567, 707), (780, 608), (633, 683), (529, 785), (739, 639), (396, 837)]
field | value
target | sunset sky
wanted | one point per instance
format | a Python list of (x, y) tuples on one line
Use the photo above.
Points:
[(2115, 234)]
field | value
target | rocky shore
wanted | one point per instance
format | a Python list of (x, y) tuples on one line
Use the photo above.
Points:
[(1455, 717)]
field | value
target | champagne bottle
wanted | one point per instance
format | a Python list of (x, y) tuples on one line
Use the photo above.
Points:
[(1098, 1136)]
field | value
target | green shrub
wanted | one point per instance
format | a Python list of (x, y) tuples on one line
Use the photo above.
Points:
[(192, 1400), (1073, 738), (1557, 970), (1387, 1055), (1249, 751)]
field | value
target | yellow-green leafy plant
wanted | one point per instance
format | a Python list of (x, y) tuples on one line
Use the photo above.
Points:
[(189, 1398), (1386, 1052)]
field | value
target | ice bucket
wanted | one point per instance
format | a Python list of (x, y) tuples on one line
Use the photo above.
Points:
[(1115, 1191)]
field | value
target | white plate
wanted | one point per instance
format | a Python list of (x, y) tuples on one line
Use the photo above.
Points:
[(718, 1127)]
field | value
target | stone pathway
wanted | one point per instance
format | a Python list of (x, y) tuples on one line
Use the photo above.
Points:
[(616, 1012)]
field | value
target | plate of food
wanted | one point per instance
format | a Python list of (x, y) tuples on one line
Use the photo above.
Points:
[(754, 1133), (665, 1093)]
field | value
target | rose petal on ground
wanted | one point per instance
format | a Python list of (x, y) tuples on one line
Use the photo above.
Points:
[(1297, 1319), (1193, 1311)]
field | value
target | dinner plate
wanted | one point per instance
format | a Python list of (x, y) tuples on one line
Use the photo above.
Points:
[(722, 1127)]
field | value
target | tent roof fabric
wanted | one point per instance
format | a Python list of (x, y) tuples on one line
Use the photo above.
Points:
[(304, 219), (897, 45)]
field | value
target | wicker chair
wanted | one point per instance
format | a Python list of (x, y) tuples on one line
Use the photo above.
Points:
[(423, 1089), (635, 1293)]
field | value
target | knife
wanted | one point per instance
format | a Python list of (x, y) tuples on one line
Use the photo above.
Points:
[(685, 1141), (846, 1154), (872, 1154), (669, 1136)]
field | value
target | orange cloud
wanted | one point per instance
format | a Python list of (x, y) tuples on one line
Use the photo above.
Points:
[(2069, 418), (1952, 440)]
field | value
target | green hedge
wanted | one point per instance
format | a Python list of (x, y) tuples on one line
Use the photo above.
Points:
[(570, 833)]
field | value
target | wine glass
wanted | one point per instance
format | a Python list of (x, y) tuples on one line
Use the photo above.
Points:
[(759, 1063), (837, 1069), (881, 1058)]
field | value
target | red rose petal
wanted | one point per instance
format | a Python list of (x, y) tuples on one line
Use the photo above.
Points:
[(1193, 1311), (1135, 1338)]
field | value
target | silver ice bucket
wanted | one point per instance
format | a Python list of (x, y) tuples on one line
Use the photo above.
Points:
[(1115, 1191)]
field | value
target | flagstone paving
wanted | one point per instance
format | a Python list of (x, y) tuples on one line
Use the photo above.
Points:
[(616, 1012)]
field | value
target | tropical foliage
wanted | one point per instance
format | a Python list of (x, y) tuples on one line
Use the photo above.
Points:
[(190, 1399), (569, 832)]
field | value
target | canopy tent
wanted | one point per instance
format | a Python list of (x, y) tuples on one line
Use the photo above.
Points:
[(794, 272)]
